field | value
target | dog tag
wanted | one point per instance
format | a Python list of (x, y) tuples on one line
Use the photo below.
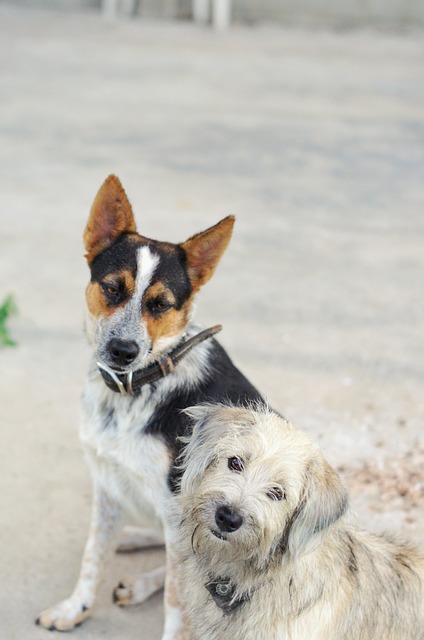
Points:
[(222, 592), (223, 589)]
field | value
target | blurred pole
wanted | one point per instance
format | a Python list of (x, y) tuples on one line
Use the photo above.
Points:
[(130, 8), (221, 14), (200, 11), (109, 9)]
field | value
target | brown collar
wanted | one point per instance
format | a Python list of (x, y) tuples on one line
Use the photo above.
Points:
[(131, 383)]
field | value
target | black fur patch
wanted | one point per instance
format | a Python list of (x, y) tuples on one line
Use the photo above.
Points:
[(120, 256), (224, 383), (172, 271)]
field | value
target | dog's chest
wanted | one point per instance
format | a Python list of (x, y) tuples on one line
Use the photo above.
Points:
[(130, 464)]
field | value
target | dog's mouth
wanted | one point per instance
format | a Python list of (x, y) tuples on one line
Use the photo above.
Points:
[(218, 535)]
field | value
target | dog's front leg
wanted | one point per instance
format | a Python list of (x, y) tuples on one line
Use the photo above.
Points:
[(73, 610), (175, 623)]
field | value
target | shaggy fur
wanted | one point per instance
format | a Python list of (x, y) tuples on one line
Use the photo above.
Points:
[(282, 563)]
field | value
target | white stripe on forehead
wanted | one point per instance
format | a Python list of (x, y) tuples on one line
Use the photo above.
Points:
[(146, 265), (126, 322)]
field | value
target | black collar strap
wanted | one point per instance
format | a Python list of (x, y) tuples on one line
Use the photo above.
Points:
[(222, 592), (131, 383)]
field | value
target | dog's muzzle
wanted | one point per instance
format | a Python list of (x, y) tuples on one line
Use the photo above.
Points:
[(131, 383)]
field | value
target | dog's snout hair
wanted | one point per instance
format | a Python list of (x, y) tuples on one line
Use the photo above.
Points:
[(278, 542)]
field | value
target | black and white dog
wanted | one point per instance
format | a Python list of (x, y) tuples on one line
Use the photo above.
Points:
[(149, 363)]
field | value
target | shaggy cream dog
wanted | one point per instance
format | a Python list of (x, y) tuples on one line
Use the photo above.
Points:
[(264, 550)]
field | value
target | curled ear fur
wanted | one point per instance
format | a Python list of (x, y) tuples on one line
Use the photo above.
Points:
[(210, 423), (198, 453), (323, 501)]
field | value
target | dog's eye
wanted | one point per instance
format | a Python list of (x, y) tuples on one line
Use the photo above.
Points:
[(235, 464), (159, 305), (111, 290), (276, 493)]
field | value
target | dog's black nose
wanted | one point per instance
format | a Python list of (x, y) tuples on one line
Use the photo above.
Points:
[(228, 519), (123, 352)]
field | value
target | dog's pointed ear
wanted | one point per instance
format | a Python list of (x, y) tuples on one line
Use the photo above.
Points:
[(204, 250), (110, 216), (323, 502)]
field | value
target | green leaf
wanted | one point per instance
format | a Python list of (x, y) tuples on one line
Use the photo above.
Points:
[(7, 309)]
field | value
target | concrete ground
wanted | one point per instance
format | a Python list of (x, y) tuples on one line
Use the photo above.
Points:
[(315, 141)]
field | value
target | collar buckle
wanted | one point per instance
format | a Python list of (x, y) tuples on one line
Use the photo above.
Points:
[(166, 365), (123, 390)]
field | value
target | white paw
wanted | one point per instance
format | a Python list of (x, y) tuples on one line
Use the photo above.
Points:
[(130, 592), (123, 594), (64, 616)]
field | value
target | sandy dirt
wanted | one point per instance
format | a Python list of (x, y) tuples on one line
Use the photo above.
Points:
[(315, 141)]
